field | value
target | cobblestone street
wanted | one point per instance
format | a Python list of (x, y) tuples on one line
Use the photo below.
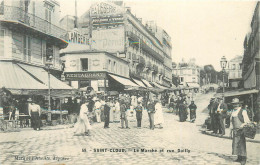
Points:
[(122, 146)]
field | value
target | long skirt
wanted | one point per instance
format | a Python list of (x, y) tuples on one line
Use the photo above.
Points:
[(182, 115), (36, 121), (238, 143), (192, 114), (82, 126)]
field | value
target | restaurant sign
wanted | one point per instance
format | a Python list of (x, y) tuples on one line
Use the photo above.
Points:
[(74, 76)]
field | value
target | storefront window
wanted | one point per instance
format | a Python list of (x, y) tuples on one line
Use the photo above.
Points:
[(84, 64)]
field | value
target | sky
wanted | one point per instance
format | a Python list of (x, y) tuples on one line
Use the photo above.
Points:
[(205, 30)]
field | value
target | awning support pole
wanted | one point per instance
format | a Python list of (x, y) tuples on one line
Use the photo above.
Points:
[(252, 106)]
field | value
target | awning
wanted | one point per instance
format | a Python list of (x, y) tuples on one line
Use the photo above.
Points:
[(237, 93), (17, 80), (140, 83), (159, 86), (123, 81), (194, 85), (42, 75), (147, 83)]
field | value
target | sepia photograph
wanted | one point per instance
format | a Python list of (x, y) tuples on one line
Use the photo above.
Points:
[(129, 82)]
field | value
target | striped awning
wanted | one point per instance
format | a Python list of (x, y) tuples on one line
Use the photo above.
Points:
[(17, 80)]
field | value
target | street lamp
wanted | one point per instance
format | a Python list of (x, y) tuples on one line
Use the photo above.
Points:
[(48, 63), (223, 63)]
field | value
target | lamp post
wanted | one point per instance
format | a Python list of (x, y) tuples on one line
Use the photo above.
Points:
[(48, 63), (223, 63)]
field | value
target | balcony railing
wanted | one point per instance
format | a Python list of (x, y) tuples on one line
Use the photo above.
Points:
[(10, 13)]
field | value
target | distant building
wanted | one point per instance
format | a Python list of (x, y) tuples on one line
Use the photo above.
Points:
[(188, 75), (235, 71)]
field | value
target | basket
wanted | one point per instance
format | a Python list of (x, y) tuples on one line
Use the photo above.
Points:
[(249, 130)]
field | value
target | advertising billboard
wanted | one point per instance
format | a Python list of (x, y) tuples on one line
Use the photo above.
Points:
[(110, 40)]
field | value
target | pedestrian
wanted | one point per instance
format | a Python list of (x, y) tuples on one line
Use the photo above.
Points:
[(117, 111), (83, 127), (193, 109), (210, 109), (239, 118), (183, 113), (215, 125), (151, 111), (112, 110), (158, 116), (106, 113), (123, 113), (139, 111), (221, 115), (34, 113), (97, 108)]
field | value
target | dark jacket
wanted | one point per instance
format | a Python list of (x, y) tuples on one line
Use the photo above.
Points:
[(106, 109)]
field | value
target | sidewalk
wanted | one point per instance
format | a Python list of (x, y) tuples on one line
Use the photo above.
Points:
[(227, 135)]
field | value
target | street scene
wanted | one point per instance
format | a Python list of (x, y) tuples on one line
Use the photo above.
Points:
[(129, 82)]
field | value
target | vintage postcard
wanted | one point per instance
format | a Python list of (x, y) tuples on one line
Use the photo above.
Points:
[(129, 82)]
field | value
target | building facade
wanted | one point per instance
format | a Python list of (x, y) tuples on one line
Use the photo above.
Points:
[(235, 71), (29, 36), (251, 61), (145, 49)]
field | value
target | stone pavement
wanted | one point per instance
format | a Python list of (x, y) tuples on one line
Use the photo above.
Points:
[(61, 147)]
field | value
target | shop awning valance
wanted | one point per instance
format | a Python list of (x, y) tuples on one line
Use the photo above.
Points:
[(147, 83), (159, 86), (17, 80), (140, 83), (42, 75), (237, 93), (123, 81)]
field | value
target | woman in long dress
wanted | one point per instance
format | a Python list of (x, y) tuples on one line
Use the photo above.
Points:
[(158, 116), (239, 118), (183, 111), (83, 127)]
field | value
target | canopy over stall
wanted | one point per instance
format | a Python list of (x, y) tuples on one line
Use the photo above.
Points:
[(124, 81), (17, 80)]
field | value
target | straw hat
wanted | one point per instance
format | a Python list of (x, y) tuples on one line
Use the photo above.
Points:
[(29, 100)]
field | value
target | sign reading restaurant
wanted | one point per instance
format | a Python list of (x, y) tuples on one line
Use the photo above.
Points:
[(74, 76)]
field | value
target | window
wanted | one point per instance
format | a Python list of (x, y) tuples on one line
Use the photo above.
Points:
[(109, 65), (49, 51), (181, 79), (84, 64), (2, 43), (233, 66), (115, 69)]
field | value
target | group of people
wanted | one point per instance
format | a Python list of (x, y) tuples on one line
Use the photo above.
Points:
[(181, 105), (237, 118), (118, 109)]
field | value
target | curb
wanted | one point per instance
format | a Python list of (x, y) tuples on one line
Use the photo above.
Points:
[(227, 137)]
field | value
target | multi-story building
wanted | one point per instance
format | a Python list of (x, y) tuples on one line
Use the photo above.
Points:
[(188, 75), (29, 36), (144, 49), (235, 71), (251, 61)]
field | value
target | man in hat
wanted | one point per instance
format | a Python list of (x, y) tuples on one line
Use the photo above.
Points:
[(221, 115), (35, 113), (239, 118), (106, 113), (123, 113)]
